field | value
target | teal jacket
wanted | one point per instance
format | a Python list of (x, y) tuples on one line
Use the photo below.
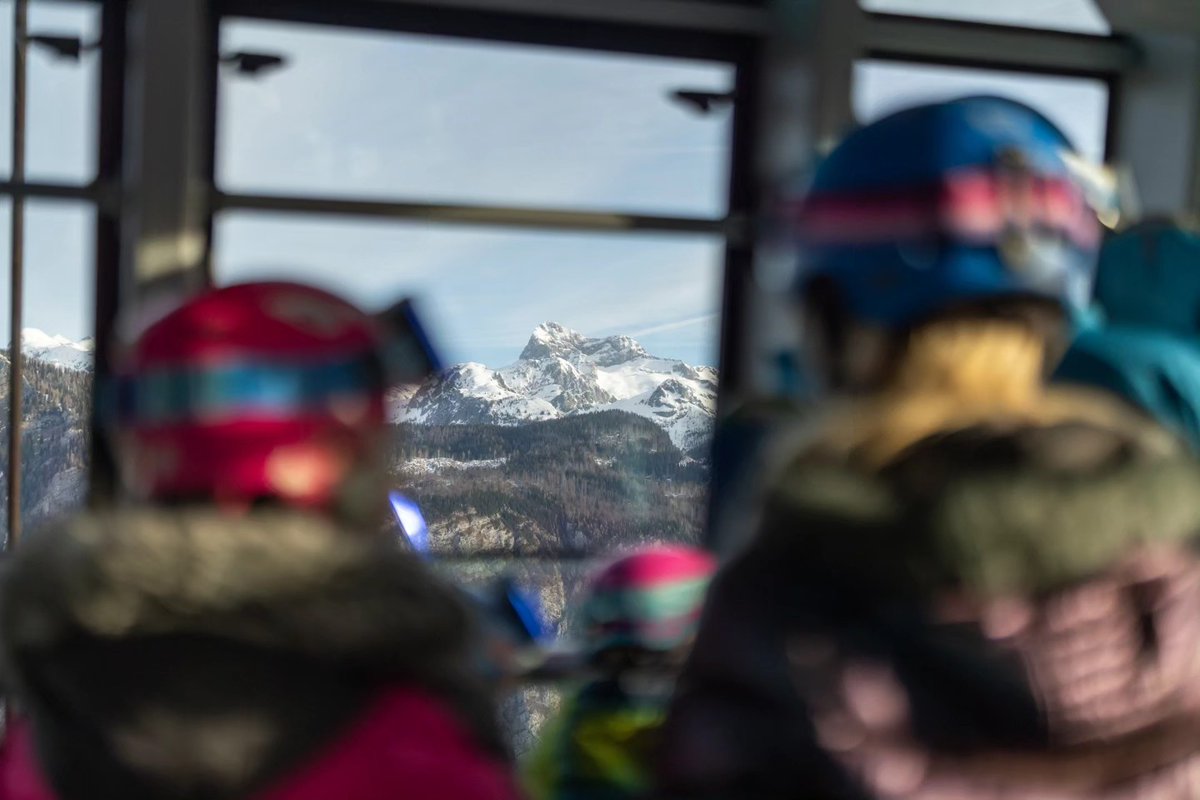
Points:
[(1155, 370)]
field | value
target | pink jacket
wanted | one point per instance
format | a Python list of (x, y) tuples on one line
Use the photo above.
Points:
[(406, 745), (354, 657)]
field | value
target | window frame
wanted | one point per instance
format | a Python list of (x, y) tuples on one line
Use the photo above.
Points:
[(734, 42), (454, 22), (98, 193), (737, 33)]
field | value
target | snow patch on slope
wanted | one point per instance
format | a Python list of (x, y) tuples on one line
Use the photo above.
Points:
[(433, 466), (57, 350)]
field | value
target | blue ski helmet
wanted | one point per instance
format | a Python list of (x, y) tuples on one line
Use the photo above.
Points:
[(1150, 276), (945, 203)]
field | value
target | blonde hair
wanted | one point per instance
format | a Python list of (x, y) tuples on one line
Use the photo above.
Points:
[(961, 372)]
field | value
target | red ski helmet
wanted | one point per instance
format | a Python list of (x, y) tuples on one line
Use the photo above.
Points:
[(255, 391)]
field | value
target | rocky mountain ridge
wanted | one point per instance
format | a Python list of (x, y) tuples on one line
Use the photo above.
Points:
[(563, 373)]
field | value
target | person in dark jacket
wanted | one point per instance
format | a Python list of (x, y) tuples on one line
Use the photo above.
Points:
[(250, 631), (966, 583)]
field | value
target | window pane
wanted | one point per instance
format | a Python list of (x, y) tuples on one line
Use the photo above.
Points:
[(356, 113), (58, 358), (578, 416), (1078, 105), (60, 93), (488, 289), (1079, 16), (547, 442)]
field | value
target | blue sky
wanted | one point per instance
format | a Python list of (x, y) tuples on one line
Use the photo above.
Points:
[(381, 115), (363, 114), (61, 132)]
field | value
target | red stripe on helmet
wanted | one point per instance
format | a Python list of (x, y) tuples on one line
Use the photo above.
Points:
[(975, 205)]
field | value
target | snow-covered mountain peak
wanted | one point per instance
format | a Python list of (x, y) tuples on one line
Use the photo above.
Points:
[(56, 349), (561, 373), (552, 340), (550, 331)]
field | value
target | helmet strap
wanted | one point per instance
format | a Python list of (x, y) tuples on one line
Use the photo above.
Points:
[(849, 355)]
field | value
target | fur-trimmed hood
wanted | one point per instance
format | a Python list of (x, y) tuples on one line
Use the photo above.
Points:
[(184, 653), (1001, 506), (275, 579)]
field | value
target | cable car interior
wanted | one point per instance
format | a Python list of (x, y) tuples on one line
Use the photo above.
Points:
[(577, 195)]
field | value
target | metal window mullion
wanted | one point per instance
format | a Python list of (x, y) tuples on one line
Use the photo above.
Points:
[(1175, 17), (16, 275), (995, 47), (675, 15), (1157, 119), (481, 215), (165, 188), (92, 192), (109, 115)]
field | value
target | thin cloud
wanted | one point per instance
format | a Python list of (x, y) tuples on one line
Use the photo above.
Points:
[(702, 319)]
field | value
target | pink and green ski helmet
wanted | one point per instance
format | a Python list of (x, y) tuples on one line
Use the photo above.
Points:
[(649, 599)]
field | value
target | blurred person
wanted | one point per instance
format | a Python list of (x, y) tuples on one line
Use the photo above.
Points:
[(966, 583), (1149, 277), (1156, 371), (1145, 344), (250, 631), (637, 620)]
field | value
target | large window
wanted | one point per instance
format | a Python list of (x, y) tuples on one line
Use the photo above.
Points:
[(1077, 16), (61, 92), (58, 358), (61, 88), (486, 290), (1078, 105), (364, 114), (577, 415)]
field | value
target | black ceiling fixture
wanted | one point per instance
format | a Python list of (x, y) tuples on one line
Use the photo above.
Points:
[(247, 63), (702, 101), (64, 46)]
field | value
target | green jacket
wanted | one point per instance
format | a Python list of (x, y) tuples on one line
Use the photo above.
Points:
[(599, 747)]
